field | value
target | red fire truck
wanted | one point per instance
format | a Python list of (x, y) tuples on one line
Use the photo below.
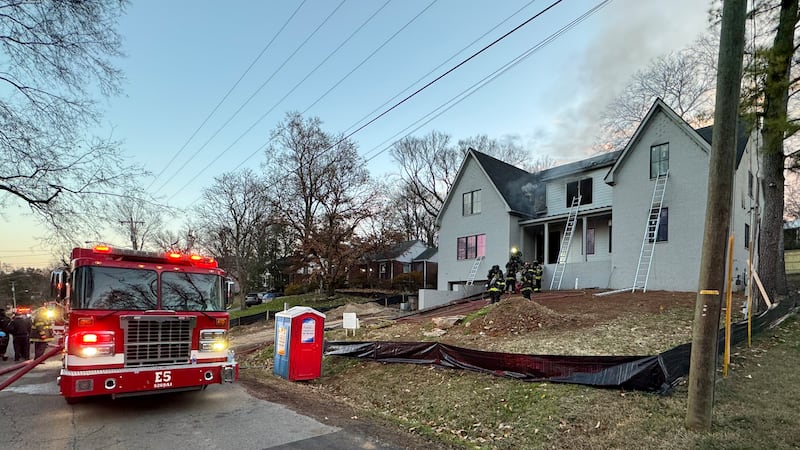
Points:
[(142, 323)]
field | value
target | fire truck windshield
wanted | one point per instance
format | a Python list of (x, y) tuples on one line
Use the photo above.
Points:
[(115, 288), (192, 292)]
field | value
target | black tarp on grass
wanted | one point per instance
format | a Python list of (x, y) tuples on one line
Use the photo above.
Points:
[(658, 373)]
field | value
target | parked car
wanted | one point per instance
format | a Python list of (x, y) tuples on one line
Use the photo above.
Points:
[(252, 299), (268, 296)]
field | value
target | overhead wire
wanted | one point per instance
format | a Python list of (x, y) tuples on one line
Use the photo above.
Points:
[(448, 72), (363, 61), (253, 95), (255, 152), (227, 94), (263, 116), (386, 41), (463, 95), (483, 82)]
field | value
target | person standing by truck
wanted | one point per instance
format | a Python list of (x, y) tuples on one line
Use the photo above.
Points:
[(20, 328), (42, 332)]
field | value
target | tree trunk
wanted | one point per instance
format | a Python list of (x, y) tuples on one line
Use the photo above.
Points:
[(776, 97)]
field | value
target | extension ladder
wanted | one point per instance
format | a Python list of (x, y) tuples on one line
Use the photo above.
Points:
[(474, 271), (566, 241), (650, 234)]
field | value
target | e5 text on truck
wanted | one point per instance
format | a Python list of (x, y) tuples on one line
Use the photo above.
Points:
[(142, 323)]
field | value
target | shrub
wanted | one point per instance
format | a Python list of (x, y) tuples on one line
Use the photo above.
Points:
[(410, 281)]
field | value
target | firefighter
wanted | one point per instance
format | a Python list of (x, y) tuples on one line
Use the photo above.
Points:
[(42, 332), (5, 322), (495, 269), (20, 328), (511, 276), (538, 270), (496, 285), (528, 280)]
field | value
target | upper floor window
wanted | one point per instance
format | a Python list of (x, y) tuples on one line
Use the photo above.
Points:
[(750, 183), (471, 247), (659, 160), (583, 188), (663, 226), (471, 203)]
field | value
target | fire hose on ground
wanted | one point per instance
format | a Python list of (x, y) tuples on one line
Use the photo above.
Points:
[(25, 367)]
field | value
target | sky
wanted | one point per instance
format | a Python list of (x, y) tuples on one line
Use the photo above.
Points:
[(204, 85)]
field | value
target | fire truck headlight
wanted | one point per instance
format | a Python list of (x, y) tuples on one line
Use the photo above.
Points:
[(89, 344), (213, 340), (50, 314)]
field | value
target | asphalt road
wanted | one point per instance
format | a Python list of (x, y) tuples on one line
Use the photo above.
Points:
[(34, 416)]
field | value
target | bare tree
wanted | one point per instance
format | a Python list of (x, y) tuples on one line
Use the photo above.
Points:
[(428, 168), (232, 215), (322, 191), (137, 217), (56, 57), (684, 80)]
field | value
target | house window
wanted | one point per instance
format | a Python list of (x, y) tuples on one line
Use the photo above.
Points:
[(471, 203), (590, 241), (659, 160), (583, 188), (609, 236), (383, 267), (747, 235), (406, 268), (750, 184), (471, 247), (663, 225)]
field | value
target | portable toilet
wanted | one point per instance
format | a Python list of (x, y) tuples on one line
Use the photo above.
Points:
[(299, 343)]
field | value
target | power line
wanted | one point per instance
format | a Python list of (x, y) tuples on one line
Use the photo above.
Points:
[(363, 61), (227, 94), (315, 102), (476, 86), (398, 103), (252, 96), (463, 95), (451, 70), (439, 66)]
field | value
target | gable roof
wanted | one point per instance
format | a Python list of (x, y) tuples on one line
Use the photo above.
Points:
[(658, 106), (394, 252), (507, 179), (427, 254)]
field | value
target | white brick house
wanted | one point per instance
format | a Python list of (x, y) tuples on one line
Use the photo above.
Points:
[(494, 206)]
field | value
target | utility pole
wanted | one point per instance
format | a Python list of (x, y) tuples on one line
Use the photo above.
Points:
[(14, 295), (134, 234), (711, 284)]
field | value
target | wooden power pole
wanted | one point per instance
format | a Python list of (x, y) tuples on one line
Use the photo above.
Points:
[(721, 168)]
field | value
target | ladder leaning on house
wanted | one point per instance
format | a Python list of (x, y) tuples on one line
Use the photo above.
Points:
[(474, 271), (566, 241), (650, 234)]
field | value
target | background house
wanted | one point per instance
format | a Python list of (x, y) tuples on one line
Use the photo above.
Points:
[(404, 262)]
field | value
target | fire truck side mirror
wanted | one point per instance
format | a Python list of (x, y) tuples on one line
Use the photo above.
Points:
[(58, 284), (228, 291)]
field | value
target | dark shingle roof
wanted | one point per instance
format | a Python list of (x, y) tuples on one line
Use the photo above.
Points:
[(508, 180), (604, 159), (742, 135), (427, 254)]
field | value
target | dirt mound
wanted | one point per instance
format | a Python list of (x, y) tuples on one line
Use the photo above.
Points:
[(361, 309), (517, 315)]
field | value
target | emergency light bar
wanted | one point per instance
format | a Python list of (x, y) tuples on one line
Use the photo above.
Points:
[(171, 256)]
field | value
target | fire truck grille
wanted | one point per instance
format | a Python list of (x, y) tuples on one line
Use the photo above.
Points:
[(156, 340)]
